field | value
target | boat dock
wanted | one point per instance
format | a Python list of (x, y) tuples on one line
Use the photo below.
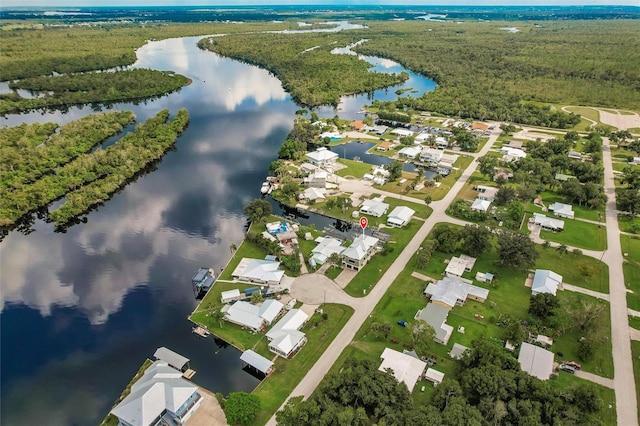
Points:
[(200, 331)]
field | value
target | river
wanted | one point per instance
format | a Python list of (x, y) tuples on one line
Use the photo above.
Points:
[(81, 310)]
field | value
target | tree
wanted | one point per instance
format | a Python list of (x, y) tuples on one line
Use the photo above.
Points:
[(477, 239), (628, 200), (487, 165), (335, 259), (241, 408), (395, 170), (423, 256), (423, 335), (631, 177), (256, 297), (505, 195), (572, 136), (507, 129), (515, 333), (428, 199), (543, 305), (516, 250), (380, 330), (563, 249), (447, 238), (258, 209), (586, 348)]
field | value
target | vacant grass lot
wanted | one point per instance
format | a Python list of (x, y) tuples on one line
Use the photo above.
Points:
[(579, 234), (274, 390), (580, 270), (631, 268), (354, 168), (582, 212), (629, 224)]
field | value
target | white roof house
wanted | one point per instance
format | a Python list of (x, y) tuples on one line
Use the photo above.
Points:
[(259, 271), (402, 132), (284, 337), (548, 223), (536, 361), (434, 376), (322, 157), (313, 194), (374, 207), (512, 154), (562, 210), (325, 248), (409, 151), (459, 265), (450, 292), (487, 192), (406, 369), (436, 317), (252, 316), (421, 137), (441, 142), (400, 216), (431, 155), (359, 252), (480, 205), (229, 295), (160, 392), (545, 281), (257, 361)]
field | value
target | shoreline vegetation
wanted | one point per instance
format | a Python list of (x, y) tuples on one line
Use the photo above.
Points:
[(86, 179), (51, 92)]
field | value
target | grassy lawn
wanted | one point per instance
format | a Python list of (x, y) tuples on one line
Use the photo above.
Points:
[(582, 212), (631, 247), (354, 168), (579, 234), (274, 390), (608, 396), (368, 276), (628, 223), (635, 350), (333, 272), (580, 270), (634, 322), (631, 268), (112, 420)]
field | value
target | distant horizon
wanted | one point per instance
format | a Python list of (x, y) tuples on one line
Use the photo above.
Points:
[(262, 3)]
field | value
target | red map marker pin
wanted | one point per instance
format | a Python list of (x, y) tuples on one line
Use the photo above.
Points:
[(364, 222)]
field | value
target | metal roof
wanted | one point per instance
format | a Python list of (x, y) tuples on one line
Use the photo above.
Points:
[(257, 361), (170, 357)]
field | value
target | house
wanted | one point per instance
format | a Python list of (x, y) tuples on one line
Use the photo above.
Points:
[(480, 205), (479, 126), (434, 376), (422, 137), (436, 317), (444, 168), (484, 277), (274, 228), (431, 155), (403, 133), (160, 396), (230, 295), (544, 341), (258, 271), (536, 361), (285, 337), (548, 223), (379, 175), (326, 247), (450, 291), (459, 265), (487, 192), (288, 237), (257, 361), (545, 281), (374, 207), (441, 143), (251, 316), (316, 179), (334, 136), (322, 157), (385, 146), (405, 368), (359, 252), (575, 155), (312, 194), (357, 125), (562, 177), (379, 129), (457, 351), (308, 168), (409, 152), (400, 216), (562, 210), (515, 144), (512, 154)]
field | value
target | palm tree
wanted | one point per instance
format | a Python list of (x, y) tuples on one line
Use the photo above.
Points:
[(233, 248), (563, 249)]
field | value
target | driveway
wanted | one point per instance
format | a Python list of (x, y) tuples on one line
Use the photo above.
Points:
[(315, 289)]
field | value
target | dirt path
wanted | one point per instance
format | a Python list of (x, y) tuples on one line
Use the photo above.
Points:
[(602, 381), (618, 120)]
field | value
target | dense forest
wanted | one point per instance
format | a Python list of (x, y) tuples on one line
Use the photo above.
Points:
[(488, 73), (85, 178), (84, 88), (304, 64), (488, 389)]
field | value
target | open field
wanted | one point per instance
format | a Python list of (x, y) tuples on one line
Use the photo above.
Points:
[(579, 234)]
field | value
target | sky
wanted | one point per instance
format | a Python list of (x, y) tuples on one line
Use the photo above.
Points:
[(72, 3)]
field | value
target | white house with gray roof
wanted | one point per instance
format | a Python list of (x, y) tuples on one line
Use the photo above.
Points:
[(536, 361), (545, 281), (322, 157), (562, 210), (450, 291), (285, 337), (359, 252), (374, 207), (251, 316), (400, 216), (259, 271), (436, 317)]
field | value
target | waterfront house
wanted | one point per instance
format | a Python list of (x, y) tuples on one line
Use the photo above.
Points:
[(400, 216), (313, 194), (316, 179), (326, 247), (359, 252), (385, 146), (251, 316), (545, 281), (357, 125), (322, 157), (174, 359), (260, 271), (536, 361), (431, 155), (409, 152), (562, 210), (374, 207), (449, 292), (161, 396), (285, 337), (405, 368)]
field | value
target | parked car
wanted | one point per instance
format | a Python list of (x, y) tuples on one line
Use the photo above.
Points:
[(567, 368), (402, 323), (573, 364)]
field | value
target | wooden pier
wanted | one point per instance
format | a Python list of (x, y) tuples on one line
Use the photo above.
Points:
[(200, 331)]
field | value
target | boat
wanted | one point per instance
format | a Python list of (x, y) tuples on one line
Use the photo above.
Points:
[(200, 331), (265, 187)]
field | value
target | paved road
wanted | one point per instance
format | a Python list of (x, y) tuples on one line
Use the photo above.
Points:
[(364, 306), (625, 388)]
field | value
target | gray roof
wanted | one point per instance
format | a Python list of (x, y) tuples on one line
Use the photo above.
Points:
[(257, 361), (458, 350), (449, 289), (359, 247), (536, 361), (545, 281), (172, 358)]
